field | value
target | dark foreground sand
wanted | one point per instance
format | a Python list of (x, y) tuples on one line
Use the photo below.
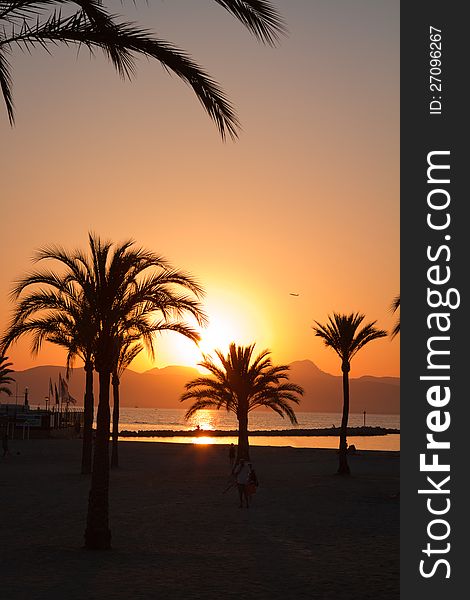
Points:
[(176, 535)]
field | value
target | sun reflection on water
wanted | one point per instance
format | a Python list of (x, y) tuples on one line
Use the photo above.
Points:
[(203, 419), (201, 440)]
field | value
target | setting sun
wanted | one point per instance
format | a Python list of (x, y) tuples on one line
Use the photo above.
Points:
[(233, 317), (221, 331)]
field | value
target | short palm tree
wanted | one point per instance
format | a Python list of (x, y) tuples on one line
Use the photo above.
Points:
[(127, 352), (29, 24), (5, 378), (123, 289), (395, 306), (343, 335), (59, 314), (241, 385)]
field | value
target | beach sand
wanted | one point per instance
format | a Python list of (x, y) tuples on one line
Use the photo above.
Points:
[(308, 533)]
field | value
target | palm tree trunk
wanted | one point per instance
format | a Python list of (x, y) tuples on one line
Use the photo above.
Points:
[(243, 450), (97, 533), (343, 468), (114, 449), (88, 409)]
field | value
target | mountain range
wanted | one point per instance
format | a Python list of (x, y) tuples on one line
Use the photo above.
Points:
[(162, 387)]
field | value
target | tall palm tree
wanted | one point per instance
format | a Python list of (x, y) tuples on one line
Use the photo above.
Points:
[(395, 306), (117, 283), (58, 314), (241, 385), (5, 378), (343, 335), (123, 288), (32, 23)]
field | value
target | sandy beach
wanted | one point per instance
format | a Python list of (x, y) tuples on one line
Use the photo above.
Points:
[(308, 533)]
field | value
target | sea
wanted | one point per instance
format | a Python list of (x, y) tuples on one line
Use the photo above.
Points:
[(145, 419)]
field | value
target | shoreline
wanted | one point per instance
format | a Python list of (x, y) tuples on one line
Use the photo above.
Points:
[(329, 451)]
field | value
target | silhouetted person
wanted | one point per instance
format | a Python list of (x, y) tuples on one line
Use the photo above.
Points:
[(5, 444), (231, 454), (252, 481), (242, 475)]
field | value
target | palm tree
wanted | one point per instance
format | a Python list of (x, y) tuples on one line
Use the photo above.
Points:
[(123, 293), (241, 385), (5, 378), (127, 350), (395, 306), (59, 314), (29, 24), (127, 353), (341, 333), (123, 288)]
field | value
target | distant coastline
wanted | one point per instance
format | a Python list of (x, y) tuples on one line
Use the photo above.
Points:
[(328, 431), (162, 388)]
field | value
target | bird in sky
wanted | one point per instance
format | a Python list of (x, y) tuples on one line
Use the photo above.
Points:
[(292, 294)]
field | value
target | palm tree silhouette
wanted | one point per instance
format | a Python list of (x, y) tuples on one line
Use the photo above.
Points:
[(58, 314), (5, 378), (342, 335), (240, 385), (395, 306), (127, 352), (31, 24), (122, 289)]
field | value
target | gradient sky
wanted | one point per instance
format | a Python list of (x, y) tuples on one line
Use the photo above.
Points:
[(306, 201)]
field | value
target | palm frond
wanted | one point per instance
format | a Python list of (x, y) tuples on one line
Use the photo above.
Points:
[(342, 335), (6, 87), (394, 307), (5, 377), (120, 41), (259, 17), (202, 404)]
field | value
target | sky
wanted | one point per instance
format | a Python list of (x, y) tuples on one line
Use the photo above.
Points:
[(306, 201)]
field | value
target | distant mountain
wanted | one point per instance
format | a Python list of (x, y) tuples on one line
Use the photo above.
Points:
[(161, 388), (324, 392)]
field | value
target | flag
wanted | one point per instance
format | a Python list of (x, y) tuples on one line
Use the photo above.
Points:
[(56, 394), (64, 392)]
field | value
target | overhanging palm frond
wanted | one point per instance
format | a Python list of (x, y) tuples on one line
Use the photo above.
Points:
[(259, 17), (32, 23), (6, 87), (120, 41)]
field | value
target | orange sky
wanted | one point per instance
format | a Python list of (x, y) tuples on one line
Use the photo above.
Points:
[(306, 201)]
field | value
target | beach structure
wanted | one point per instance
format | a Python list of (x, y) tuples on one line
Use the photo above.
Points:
[(23, 421)]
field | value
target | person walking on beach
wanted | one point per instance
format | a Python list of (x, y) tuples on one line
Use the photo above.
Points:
[(231, 455), (5, 444), (252, 480), (242, 475)]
